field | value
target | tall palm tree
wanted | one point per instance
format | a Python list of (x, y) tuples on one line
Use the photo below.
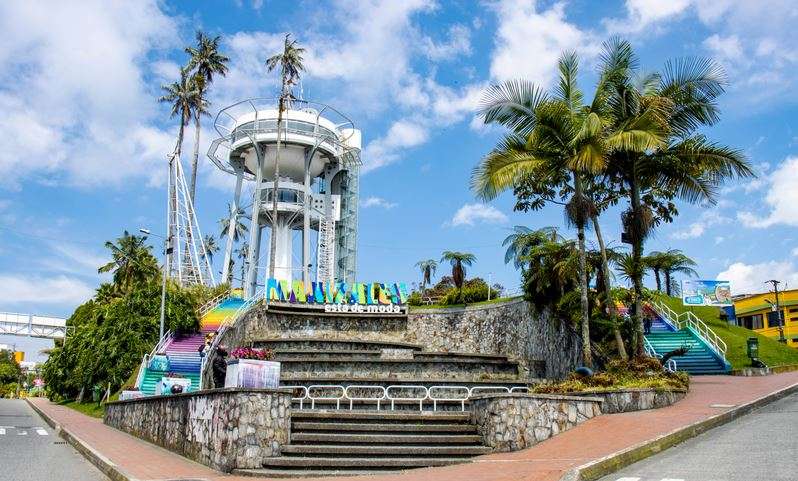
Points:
[(132, 262), (458, 260), (556, 140), (239, 229), (675, 261), (428, 268), (290, 63), (211, 247), (655, 261), (657, 154), (241, 252), (206, 61)]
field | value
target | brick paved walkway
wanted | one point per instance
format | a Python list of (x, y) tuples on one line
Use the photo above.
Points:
[(547, 461)]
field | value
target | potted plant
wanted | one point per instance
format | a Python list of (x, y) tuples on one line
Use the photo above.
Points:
[(252, 368), (173, 383)]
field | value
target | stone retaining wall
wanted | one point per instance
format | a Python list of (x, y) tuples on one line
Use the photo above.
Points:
[(630, 400), (510, 328), (225, 429), (510, 422)]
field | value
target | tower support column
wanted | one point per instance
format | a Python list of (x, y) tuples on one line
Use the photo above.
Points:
[(254, 231)]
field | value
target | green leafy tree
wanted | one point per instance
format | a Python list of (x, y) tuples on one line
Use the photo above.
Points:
[(133, 262), (290, 63), (211, 247)]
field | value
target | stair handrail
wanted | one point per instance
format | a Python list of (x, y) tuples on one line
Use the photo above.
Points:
[(703, 331), (212, 304), (649, 348), (226, 323), (667, 314), (145, 360)]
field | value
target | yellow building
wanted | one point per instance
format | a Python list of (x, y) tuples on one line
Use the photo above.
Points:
[(756, 312)]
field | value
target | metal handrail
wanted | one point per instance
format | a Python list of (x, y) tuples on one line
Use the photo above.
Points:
[(224, 326), (212, 304), (352, 399), (140, 375), (420, 400), (669, 366), (145, 360), (702, 330)]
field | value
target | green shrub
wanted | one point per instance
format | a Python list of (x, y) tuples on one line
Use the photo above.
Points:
[(634, 373), (474, 290), (415, 299)]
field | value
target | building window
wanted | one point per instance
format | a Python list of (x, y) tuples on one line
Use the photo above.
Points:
[(752, 322), (793, 310), (774, 319)]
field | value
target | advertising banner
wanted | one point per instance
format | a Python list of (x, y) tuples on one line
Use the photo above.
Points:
[(706, 293)]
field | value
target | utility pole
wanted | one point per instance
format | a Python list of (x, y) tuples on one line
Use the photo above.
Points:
[(778, 309)]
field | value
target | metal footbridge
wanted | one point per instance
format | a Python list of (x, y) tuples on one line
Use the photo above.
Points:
[(16, 324)]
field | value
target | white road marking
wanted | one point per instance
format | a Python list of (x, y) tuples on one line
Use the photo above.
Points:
[(628, 479), (22, 433), (672, 479), (41, 432), (2, 431)]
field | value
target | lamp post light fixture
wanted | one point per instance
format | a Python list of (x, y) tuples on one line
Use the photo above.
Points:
[(167, 252)]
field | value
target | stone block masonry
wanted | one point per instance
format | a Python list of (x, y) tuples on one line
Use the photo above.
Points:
[(630, 400), (511, 422), (225, 429)]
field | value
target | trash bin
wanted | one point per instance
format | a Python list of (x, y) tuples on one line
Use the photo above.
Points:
[(753, 348)]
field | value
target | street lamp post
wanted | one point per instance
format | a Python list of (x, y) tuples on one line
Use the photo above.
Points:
[(778, 308), (163, 282)]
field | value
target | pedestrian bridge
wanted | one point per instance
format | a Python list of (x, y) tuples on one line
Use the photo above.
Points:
[(16, 324)]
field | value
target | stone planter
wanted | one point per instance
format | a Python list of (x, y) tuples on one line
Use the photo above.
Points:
[(629, 400), (252, 374), (172, 385)]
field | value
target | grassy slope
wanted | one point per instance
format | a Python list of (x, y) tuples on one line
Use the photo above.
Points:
[(90, 408), (772, 352), (441, 306)]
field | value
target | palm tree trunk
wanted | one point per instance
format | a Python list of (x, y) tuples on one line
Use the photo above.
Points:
[(656, 277), (667, 282), (587, 355), (637, 271), (195, 159), (605, 269), (275, 191)]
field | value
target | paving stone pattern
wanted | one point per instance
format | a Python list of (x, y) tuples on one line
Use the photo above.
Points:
[(224, 429), (512, 422)]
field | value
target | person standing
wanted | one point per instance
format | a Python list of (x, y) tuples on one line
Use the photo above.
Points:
[(219, 367)]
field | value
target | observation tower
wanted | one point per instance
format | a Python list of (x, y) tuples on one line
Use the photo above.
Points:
[(318, 155)]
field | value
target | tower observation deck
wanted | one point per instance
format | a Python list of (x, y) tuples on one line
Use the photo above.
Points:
[(317, 188)]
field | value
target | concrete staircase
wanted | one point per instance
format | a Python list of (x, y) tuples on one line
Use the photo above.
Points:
[(342, 442), (700, 359)]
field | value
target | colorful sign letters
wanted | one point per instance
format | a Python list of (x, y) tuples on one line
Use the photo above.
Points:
[(339, 296)]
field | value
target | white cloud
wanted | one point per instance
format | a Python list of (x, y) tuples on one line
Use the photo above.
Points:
[(529, 41), (707, 219), (781, 198), (19, 289), (471, 214), (402, 134), (377, 202), (728, 48), (750, 278), (641, 14), (72, 89), (458, 43)]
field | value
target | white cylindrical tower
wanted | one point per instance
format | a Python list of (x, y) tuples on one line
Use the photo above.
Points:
[(318, 158)]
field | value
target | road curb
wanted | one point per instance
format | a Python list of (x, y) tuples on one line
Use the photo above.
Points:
[(101, 462), (620, 459)]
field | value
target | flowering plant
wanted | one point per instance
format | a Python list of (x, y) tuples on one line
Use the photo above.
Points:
[(250, 353)]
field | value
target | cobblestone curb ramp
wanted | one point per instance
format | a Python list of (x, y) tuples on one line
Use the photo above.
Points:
[(612, 463), (225, 429), (511, 422)]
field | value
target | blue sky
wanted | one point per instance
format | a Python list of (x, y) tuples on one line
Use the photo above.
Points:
[(84, 142)]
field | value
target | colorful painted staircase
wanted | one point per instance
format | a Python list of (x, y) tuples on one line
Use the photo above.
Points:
[(183, 352), (702, 358)]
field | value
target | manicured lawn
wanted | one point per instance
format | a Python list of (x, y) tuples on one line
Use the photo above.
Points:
[(440, 306), (90, 408), (772, 352)]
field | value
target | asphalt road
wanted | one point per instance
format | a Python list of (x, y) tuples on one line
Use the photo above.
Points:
[(761, 446), (31, 451)]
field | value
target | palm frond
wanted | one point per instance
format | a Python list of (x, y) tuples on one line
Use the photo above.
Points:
[(512, 104)]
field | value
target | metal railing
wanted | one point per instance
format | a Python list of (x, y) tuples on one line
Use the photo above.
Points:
[(226, 323), (211, 304), (669, 366), (688, 320), (145, 360), (434, 394)]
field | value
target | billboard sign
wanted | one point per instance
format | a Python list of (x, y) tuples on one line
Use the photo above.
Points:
[(706, 293)]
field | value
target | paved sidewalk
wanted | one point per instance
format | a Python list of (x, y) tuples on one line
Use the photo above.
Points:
[(547, 461)]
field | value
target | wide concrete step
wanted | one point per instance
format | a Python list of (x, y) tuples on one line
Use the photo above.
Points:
[(472, 369), (393, 438), (379, 416), (381, 450), (289, 380), (383, 427), (282, 473), (305, 462), (318, 344), (368, 355)]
